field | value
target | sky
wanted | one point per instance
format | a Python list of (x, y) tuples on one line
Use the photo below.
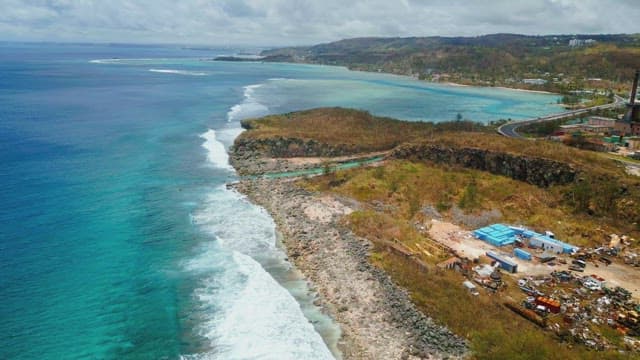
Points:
[(303, 22)]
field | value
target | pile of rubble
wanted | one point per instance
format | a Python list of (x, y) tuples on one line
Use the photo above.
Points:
[(618, 246), (577, 307)]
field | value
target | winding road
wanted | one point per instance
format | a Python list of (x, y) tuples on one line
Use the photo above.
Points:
[(510, 129)]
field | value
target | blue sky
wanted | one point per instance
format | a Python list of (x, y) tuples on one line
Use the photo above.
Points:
[(291, 22)]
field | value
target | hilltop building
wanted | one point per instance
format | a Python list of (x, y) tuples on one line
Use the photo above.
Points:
[(581, 42)]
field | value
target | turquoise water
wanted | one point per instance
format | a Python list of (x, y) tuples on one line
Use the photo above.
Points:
[(118, 239)]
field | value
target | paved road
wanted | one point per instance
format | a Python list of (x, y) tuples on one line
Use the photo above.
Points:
[(510, 129)]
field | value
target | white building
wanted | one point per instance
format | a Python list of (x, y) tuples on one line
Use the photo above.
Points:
[(546, 244), (534, 81), (580, 42)]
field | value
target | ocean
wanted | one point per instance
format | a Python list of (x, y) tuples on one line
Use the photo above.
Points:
[(118, 237)]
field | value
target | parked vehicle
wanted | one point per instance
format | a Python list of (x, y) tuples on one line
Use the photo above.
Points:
[(605, 260), (576, 268), (580, 263)]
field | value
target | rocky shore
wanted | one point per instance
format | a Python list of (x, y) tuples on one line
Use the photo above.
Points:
[(377, 318)]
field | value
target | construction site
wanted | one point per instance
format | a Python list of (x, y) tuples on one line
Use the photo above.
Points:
[(579, 294)]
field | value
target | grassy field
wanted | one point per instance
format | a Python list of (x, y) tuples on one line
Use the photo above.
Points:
[(357, 129), (405, 188), (603, 199), (337, 126)]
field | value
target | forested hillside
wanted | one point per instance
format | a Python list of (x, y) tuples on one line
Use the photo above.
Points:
[(500, 59)]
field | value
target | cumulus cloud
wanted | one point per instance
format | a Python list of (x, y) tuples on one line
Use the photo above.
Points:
[(286, 22)]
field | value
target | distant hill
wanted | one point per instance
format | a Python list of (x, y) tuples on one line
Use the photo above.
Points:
[(498, 59)]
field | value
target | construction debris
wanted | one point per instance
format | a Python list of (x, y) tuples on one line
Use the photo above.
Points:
[(576, 304)]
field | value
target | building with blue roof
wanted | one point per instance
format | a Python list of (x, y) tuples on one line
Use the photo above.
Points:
[(496, 235), (504, 263), (500, 235), (545, 242)]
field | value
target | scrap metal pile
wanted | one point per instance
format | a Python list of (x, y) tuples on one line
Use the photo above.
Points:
[(580, 309)]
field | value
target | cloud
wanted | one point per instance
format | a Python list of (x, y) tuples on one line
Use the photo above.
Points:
[(285, 22)]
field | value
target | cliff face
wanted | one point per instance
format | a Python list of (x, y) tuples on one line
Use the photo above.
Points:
[(533, 170), (285, 147), (536, 171)]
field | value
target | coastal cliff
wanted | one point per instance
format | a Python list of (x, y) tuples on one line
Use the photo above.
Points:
[(533, 170), (286, 147)]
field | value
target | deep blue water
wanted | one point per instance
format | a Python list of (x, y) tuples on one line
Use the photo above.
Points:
[(117, 237)]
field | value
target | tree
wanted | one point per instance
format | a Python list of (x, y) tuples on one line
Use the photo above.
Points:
[(469, 199)]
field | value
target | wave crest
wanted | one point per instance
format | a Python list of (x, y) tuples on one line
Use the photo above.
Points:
[(249, 107), (216, 151)]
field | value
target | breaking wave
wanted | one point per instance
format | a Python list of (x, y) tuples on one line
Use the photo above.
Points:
[(249, 107), (242, 311), (216, 151)]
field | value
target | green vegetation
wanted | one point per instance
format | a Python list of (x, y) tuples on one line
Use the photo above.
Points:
[(542, 129), (604, 197), (499, 59), (584, 212)]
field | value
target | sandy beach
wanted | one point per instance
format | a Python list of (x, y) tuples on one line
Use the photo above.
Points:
[(525, 90)]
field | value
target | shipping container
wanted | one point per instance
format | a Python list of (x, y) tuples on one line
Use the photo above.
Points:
[(522, 254), (551, 304), (505, 263)]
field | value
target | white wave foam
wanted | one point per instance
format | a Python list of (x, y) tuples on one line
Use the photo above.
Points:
[(244, 312), (263, 321), (216, 151), (237, 224), (249, 107), (118, 60), (179, 72), (228, 135)]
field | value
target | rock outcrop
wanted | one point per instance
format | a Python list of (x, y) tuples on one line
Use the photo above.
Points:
[(533, 170), (284, 147)]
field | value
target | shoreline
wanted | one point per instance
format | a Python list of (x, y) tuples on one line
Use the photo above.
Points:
[(410, 77), (524, 90), (376, 317)]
